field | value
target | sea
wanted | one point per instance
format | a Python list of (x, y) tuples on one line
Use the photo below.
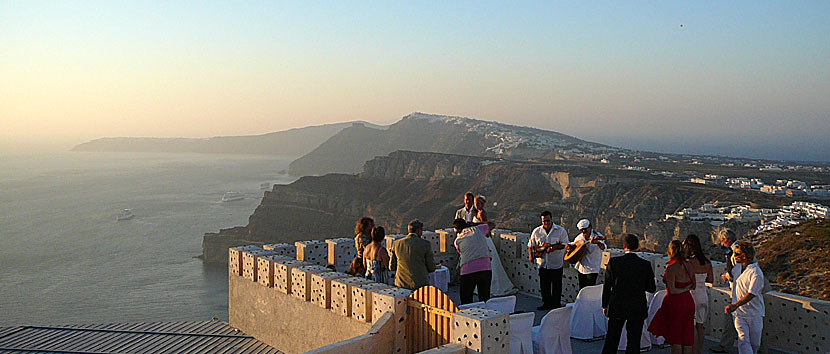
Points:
[(64, 259)]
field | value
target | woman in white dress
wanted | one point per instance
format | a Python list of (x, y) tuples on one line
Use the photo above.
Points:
[(500, 285), (703, 274)]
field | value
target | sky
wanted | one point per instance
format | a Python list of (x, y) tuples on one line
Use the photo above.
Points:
[(729, 78)]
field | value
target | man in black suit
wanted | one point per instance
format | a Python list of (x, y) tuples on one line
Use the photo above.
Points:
[(627, 278)]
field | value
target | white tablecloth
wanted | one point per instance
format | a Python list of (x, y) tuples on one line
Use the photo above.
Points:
[(440, 278)]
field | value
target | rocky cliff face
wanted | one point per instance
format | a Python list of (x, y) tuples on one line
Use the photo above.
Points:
[(429, 186)]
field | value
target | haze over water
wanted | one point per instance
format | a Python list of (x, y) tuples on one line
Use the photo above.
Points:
[(64, 259)]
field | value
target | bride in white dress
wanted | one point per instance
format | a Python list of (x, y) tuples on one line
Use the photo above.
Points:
[(500, 285)]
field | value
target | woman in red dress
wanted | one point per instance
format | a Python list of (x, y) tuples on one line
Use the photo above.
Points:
[(675, 320)]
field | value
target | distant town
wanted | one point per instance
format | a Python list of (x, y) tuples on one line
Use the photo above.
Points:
[(769, 219)]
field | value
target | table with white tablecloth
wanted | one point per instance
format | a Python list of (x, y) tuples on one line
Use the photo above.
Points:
[(440, 278)]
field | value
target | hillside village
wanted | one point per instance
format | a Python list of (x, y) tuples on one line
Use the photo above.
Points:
[(769, 219)]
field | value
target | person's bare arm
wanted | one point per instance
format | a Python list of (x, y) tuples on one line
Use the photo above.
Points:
[(732, 307), (710, 276)]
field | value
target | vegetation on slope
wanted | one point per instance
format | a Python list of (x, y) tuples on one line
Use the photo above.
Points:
[(796, 258)]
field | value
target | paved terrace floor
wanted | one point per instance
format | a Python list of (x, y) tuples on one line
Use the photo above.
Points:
[(528, 303)]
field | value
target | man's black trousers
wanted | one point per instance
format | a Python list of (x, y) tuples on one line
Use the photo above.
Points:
[(634, 329), (551, 283)]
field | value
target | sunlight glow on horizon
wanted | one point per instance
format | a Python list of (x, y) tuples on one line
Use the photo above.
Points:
[(621, 72)]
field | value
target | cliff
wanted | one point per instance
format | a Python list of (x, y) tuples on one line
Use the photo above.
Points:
[(292, 142), (429, 186), (347, 151)]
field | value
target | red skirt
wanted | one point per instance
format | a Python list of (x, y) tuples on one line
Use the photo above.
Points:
[(675, 320)]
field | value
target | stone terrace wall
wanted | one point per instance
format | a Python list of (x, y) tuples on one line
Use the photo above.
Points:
[(307, 292), (296, 305)]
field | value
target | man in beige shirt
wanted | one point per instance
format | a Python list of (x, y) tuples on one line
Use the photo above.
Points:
[(412, 258)]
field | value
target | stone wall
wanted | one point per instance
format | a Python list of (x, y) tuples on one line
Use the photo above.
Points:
[(297, 305), (321, 302)]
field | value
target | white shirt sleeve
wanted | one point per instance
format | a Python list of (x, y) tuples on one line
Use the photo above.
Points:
[(532, 240), (756, 283)]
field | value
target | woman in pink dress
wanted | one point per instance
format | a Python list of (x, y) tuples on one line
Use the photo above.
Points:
[(675, 320)]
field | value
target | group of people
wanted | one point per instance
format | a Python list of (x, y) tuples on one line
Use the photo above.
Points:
[(684, 308), (628, 277), (547, 246), (411, 256)]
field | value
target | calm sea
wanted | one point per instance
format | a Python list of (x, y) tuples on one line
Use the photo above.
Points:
[(65, 259)]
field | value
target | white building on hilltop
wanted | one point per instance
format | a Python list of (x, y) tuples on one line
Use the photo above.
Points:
[(794, 214)]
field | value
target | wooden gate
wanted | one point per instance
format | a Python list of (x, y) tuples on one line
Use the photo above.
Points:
[(428, 319)]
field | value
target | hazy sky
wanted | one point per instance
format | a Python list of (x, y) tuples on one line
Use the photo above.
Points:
[(745, 78)]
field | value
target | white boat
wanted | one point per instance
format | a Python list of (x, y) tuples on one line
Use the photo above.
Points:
[(125, 214), (265, 185), (231, 196)]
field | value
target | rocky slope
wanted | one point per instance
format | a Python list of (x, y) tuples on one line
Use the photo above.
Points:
[(292, 142), (347, 151), (405, 185), (795, 258)]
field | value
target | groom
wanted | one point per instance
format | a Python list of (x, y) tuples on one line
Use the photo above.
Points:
[(627, 279)]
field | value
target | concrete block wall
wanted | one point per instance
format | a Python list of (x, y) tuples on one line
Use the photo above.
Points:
[(434, 239), (266, 269), (282, 274), (282, 249), (446, 239), (362, 300), (512, 245), (392, 300), (315, 252), (301, 280), (249, 262), (481, 330), (235, 258), (341, 294), (793, 324), (321, 287), (341, 251)]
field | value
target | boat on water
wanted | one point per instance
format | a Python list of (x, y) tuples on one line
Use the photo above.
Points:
[(231, 196), (125, 214), (265, 185)]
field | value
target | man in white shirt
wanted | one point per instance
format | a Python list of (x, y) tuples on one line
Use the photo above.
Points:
[(747, 305), (468, 211), (588, 267), (547, 247)]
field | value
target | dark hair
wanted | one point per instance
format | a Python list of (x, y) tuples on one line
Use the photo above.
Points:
[(695, 250), (378, 233), (631, 242), (469, 194), (415, 225), (362, 226), (459, 224), (546, 213), (746, 248)]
